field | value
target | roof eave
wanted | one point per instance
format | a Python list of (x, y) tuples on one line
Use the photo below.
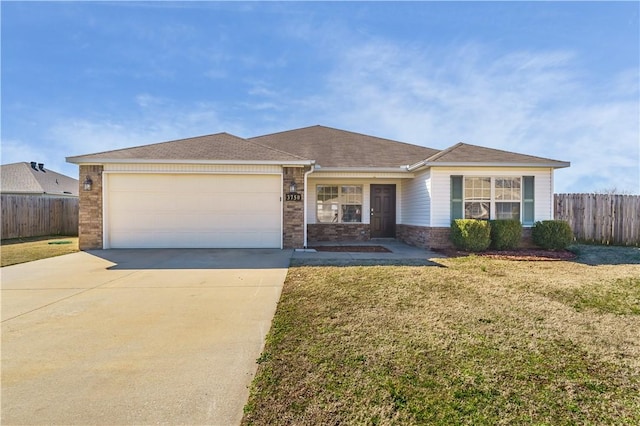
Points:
[(19, 192), (87, 161), (402, 169), (554, 164)]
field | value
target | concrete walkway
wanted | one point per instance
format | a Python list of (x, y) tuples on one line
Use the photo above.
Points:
[(123, 337), (399, 254)]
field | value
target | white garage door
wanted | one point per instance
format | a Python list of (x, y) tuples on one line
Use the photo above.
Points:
[(193, 211)]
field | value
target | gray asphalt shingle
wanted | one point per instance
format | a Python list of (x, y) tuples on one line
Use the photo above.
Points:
[(17, 178), (328, 147)]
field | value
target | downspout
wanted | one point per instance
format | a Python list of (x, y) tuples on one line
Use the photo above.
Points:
[(306, 174)]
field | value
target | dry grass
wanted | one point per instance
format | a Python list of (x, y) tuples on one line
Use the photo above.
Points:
[(478, 341), (29, 249)]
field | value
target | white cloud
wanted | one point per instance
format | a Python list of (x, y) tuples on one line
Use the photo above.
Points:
[(536, 103), (145, 100), (156, 121), (16, 150)]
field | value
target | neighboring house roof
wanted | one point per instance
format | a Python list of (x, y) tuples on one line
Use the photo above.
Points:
[(334, 148), (221, 147), (466, 154), (22, 178)]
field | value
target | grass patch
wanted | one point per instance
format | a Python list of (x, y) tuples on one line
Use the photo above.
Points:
[(620, 297), (28, 249), (482, 341)]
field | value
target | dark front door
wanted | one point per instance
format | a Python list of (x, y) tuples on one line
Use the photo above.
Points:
[(383, 211)]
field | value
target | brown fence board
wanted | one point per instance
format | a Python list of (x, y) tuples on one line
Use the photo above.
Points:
[(34, 216), (601, 218)]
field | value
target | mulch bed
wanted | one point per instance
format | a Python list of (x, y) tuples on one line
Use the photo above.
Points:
[(353, 249), (519, 254)]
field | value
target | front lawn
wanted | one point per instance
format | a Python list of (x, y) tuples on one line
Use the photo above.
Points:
[(21, 250), (477, 341)]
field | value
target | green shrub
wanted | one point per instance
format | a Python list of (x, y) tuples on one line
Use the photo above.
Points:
[(471, 234), (505, 234), (552, 234)]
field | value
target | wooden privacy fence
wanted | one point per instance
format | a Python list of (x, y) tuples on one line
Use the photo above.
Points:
[(601, 218), (34, 216)]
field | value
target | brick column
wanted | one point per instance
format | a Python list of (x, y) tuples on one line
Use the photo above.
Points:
[(90, 206), (293, 211)]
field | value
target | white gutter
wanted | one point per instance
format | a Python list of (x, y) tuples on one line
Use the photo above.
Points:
[(402, 169), (555, 165), (83, 160), (305, 206)]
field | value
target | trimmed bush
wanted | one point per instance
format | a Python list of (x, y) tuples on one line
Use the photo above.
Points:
[(505, 234), (552, 234), (471, 234)]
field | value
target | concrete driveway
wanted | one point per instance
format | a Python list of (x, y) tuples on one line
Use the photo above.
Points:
[(123, 337)]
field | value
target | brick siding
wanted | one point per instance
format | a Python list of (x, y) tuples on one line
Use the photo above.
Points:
[(438, 238), (337, 232), (90, 209), (293, 213), (424, 236), (527, 240)]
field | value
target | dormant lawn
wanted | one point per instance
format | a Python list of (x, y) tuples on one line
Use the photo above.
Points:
[(474, 341), (21, 250)]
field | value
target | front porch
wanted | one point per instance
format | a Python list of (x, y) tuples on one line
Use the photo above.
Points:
[(399, 253)]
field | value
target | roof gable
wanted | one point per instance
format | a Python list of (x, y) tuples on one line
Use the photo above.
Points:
[(331, 147), (462, 153), (21, 178), (220, 147)]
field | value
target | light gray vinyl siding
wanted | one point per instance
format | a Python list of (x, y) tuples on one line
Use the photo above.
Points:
[(543, 197), (416, 200)]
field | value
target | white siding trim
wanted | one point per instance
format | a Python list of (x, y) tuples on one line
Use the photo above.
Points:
[(106, 244), (192, 168), (319, 174)]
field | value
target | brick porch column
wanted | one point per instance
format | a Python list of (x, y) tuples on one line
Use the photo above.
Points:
[(293, 211), (90, 209)]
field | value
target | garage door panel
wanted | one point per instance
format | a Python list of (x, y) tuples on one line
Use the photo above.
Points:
[(181, 211), (194, 239), (200, 222)]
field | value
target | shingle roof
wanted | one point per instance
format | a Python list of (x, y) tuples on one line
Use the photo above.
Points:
[(21, 178), (339, 148), (467, 153), (220, 146), (326, 146)]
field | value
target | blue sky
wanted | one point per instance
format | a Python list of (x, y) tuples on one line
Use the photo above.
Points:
[(554, 79)]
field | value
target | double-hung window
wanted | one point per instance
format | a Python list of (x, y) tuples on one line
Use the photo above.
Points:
[(507, 197), (477, 198), (493, 198), (338, 203)]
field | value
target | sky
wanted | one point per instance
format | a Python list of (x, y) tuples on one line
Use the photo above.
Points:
[(554, 79)]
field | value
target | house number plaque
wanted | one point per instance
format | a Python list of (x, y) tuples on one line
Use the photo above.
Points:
[(293, 196)]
